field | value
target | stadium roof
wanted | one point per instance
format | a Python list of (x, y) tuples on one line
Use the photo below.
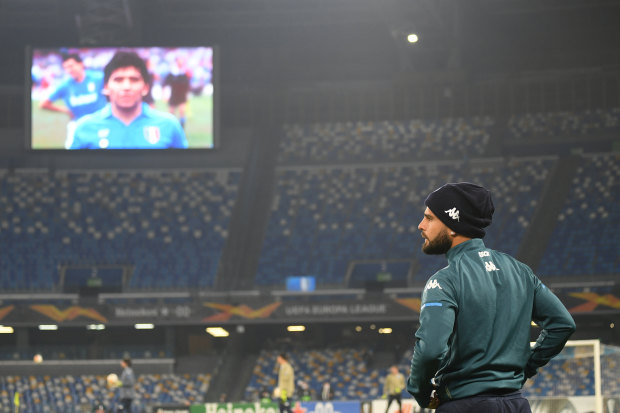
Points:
[(477, 36)]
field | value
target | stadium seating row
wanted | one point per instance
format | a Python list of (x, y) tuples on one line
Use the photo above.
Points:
[(71, 394), (65, 352), (585, 239), (325, 217), (347, 371), (170, 225), (446, 138), (388, 140), (572, 374), (344, 368), (564, 124)]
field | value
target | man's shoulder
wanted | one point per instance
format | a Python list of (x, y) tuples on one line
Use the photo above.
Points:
[(507, 258), (62, 86), (160, 116), (441, 280), (95, 118), (445, 273)]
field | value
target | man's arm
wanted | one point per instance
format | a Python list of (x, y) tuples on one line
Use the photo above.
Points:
[(436, 325), (49, 105), (557, 326)]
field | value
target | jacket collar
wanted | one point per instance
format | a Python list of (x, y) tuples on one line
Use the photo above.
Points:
[(469, 245)]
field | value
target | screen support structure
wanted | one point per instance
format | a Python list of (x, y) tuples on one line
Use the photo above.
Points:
[(107, 22)]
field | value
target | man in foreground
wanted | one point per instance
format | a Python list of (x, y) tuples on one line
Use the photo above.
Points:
[(472, 351)]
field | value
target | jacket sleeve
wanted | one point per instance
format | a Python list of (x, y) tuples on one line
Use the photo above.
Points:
[(127, 379), (557, 326), (437, 316)]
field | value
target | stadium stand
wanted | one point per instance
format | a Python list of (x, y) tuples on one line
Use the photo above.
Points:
[(386, 141), (71, 394), (350, 376), (571, 374), (64, 352), (564, 124), (324, 217), (170, 226), (585, 238), (345, 368)]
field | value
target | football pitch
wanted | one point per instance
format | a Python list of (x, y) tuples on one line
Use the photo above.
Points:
[(49, 129)]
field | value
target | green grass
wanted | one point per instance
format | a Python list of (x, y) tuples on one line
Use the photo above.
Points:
[(49, 128)]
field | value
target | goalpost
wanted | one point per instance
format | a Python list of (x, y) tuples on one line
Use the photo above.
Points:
[(583, 378), (596, 354)]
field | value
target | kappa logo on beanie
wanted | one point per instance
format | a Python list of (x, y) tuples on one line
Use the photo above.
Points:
[(454, 213)]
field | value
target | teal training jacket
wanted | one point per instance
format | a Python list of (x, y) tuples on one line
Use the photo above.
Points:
[(474, 334)]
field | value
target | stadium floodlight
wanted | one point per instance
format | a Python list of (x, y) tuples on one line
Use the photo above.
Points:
[(385, 330), (412, 38), (48, 327), (6, 330), (358, 328), (144, 326), (217, 331), (96, 327), (295, 329)]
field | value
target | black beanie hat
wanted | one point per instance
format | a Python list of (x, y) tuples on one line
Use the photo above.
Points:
[(465, 208)]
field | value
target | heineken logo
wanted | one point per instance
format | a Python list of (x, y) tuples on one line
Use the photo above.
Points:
[(241, 408)]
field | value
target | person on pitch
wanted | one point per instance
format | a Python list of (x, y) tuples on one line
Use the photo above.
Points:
[(286, 384), (392, 387), (472, 351), (126, 385)]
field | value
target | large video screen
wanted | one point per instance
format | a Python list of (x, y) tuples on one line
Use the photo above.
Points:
[(122, 98)]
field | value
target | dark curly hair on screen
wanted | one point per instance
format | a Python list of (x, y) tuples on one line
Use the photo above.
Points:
[(123, 59)]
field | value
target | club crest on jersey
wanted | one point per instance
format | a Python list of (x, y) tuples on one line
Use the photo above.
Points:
[(433, 284), (152, 134), (91, 86), (453, 213)]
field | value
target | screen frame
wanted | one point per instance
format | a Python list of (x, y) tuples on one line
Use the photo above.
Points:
[(215, 81)]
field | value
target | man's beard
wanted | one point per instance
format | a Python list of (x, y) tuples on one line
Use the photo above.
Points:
[(439, 245)]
